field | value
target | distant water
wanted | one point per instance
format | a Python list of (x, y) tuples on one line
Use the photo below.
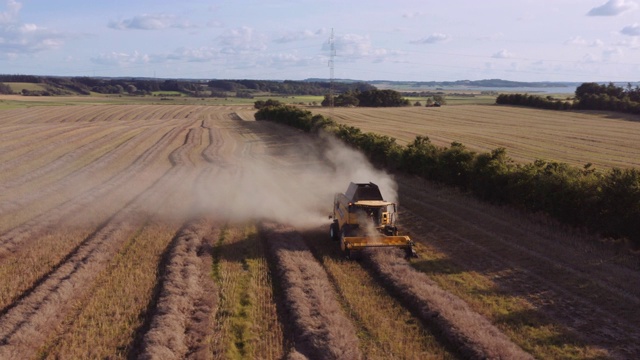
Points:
[(531, 90), (570, 88), (544, 90)]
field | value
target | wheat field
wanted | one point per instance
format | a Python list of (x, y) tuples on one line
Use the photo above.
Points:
[(604, 139), (192, 231)]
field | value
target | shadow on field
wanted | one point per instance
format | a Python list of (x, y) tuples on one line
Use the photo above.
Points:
[(239, 251), (615, 116), (529, 318), (321, 245), (532, 318), (436, 267)]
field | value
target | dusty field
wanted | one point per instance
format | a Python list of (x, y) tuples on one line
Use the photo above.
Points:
[(605, 140), (185, 231)]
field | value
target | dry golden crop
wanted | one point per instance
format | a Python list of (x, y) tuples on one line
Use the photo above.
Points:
[(605, 140), (131, 230)]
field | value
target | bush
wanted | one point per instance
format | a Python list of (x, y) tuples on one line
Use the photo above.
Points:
[(261, 103), (272, 110), (5, 89)]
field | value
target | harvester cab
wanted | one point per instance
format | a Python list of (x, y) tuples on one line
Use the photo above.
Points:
[(362, 219)]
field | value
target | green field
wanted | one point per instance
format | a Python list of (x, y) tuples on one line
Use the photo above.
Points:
[(17, 87), (175, 97)]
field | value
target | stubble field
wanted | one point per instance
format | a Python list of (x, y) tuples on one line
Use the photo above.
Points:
[(186, 231), (606, 140)]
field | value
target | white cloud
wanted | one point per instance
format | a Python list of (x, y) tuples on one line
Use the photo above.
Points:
[(17, 38), (502, 54), (242, 40), (11, 14), (299, 36), (411, 15), (237, 60), (201, 54), (612, 54), (631, 30), (432, 39), (215, 24), (150, 22), (580, 41), (576, 40), (589, 58), (352, 46), (631, 42), (613, 8), (120, 59), (283, 61)]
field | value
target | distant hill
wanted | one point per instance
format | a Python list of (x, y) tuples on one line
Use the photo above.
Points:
[(495, 83), (57, 85)]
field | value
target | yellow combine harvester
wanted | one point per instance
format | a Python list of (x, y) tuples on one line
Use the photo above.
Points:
[(363, 219)]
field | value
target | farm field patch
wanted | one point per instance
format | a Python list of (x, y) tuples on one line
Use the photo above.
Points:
[(193, 231), (605, 140)]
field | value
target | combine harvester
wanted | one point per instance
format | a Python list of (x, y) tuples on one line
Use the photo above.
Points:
[(363, 219)]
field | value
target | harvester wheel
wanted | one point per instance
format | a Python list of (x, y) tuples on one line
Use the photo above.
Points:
[(410, 252), (334, 231)]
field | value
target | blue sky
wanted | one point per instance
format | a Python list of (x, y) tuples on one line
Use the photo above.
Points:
[(522, 40)]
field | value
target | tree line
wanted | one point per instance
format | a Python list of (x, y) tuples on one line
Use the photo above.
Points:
[(368, 98), (200, 88), (287, 87), (588, 96), (606, 202)]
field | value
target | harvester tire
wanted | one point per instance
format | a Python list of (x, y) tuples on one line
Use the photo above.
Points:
[(410, 252), (334, 231)]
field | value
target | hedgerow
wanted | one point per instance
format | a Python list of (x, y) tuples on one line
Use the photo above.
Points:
[(589, 96), (606, 202)]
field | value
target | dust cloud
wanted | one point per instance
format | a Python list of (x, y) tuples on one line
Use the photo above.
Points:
[(296, 186)]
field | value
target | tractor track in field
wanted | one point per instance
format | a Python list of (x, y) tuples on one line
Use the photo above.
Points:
[(54, 135), (11, 239), (23, 116), (27, 322), (532, 266), (212, 153), (67, 159)]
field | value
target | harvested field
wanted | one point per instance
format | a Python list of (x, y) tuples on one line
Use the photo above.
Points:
[(183, 312), (322, 330), (473, 335), (187, 231), (605, 140)]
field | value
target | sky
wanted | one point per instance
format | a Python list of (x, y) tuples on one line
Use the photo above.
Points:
[(398, 40)]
